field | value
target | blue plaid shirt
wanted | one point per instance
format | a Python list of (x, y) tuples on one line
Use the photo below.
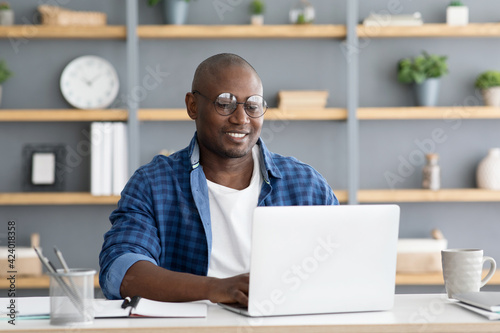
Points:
[(163, 215)]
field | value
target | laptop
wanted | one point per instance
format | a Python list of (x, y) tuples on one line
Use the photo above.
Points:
[(322, 259)]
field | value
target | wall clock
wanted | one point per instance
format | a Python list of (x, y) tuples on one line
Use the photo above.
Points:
[(89, 82)]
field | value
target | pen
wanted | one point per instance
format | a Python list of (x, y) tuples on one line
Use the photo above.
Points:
[(74, 298), (61, 259)]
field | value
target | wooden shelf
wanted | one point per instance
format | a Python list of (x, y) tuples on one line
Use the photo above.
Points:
[(453, 112), (420, 195), (271, 114), (35, 282), (431, 30), (242, 31), (341, 195), (434, 279), (46, 31), (53, 198), (63, 115)]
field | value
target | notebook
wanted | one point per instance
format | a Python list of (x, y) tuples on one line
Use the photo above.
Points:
[(322, 259), (488, 300), (39, 307)]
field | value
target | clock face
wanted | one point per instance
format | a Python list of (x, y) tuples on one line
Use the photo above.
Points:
[(89, 82)]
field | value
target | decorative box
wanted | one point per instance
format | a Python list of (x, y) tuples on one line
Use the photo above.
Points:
[(420, 255), (302, 99), (54, 15), (25, 262)]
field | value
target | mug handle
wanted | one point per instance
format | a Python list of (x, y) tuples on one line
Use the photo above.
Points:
[(491, 272)]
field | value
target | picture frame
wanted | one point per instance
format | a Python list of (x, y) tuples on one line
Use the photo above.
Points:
[(41, 163)]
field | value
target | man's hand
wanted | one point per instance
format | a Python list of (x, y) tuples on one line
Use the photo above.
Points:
[(230, 290), (150, 281)]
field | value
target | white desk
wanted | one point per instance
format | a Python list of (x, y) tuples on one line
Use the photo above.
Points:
[(411, 313)]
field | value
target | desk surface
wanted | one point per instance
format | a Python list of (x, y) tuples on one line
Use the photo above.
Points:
[(411, 313)]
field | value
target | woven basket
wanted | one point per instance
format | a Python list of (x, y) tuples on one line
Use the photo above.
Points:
[(53, 15)]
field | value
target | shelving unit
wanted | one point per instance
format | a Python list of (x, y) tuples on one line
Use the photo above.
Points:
[(352, 114), (241, 31), (271, 114), (62, 115), (435, 278), (63, 32), (419, 195), (408, 113), (55, 198), (430, 30)]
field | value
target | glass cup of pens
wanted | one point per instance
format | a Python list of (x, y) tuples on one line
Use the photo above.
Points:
[(71, 296)]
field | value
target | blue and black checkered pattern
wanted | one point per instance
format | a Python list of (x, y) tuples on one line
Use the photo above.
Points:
[(164, 212)]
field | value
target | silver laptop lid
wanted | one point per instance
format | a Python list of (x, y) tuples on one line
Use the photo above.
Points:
[(323, 259)]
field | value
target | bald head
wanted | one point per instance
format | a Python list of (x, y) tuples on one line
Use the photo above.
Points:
[(209, 69)]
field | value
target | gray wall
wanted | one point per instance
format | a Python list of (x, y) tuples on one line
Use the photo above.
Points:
[(282, 64)]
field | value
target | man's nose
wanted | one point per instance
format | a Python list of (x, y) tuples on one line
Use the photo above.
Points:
[(239, 115)]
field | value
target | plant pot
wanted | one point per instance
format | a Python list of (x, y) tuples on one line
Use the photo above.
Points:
[(457, 15), (488, 171), (427, 93), (175, 11), (0, 95), (257, 19), (491, 96), (6, 17)]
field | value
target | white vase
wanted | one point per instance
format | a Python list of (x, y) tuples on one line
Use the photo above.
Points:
[(457, 15), (491, 96), (488, 171), (257, 19), (6, 17)]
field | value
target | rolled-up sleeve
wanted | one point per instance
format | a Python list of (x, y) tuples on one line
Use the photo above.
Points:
[(133, 235)]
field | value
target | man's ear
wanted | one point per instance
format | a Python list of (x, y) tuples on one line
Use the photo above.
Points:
[(191, 106)]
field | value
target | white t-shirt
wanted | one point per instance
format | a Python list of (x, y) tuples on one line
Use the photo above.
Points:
[(231, 212)]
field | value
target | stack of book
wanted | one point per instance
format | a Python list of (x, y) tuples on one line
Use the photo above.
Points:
[(485, 303), (379, 20), (302, 99), (108, 158)]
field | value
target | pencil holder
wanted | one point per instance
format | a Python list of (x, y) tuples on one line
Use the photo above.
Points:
[(72, 297)]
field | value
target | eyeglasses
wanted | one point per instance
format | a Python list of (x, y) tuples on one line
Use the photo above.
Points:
[(226, 103)]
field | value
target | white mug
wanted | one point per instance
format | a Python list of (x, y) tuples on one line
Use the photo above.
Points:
[(462, 270)]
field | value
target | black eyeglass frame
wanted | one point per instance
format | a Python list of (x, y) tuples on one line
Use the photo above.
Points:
[(265, 107)]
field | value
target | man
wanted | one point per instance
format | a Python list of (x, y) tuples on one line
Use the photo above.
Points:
[(182, 228)]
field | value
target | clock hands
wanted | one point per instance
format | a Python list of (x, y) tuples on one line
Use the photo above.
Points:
[(91, 81)]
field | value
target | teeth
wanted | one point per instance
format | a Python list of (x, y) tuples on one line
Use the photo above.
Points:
[(236, 135)]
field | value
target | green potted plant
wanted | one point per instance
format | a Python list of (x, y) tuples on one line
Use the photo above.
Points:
[(489, 84), (6, 14), (257, 8), (175, 11), (4, 75), (424, 73), (457, 13)]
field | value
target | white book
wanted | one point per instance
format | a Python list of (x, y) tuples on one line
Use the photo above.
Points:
[(107, 159), (120, 157), (487, 300), (488, 314), (36, 307), (96, 151)]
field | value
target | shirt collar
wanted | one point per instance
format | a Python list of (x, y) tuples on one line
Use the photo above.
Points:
[(267, 165)]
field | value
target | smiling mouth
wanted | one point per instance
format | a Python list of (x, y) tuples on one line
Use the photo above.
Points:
[(236, 135)]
